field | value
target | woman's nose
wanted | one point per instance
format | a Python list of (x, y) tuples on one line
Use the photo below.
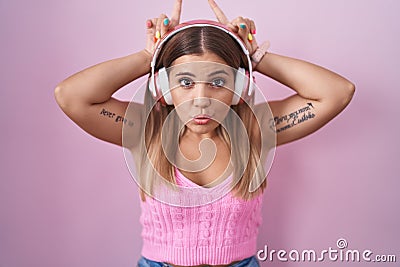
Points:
[(201, 98)]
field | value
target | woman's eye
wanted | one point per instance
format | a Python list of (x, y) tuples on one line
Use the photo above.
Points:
[(185, 82), (218, 82)]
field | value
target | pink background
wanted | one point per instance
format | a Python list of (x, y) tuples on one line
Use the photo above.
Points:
[(67, 199)]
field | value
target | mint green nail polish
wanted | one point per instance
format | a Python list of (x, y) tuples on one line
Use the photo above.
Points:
[(243, 26), (166, 21)]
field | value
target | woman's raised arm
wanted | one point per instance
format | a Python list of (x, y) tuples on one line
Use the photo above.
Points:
[(85, 97), (320, 94)]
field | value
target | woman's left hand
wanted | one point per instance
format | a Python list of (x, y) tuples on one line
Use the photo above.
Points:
[(156, 28), (244, 27)]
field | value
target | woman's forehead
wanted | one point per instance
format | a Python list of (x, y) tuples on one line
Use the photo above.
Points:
[(201, 69), (207, 56)]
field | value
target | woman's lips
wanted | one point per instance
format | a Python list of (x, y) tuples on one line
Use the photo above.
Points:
[(201, 119)]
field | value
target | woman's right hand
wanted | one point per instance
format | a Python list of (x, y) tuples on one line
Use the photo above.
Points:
[(158, 27)]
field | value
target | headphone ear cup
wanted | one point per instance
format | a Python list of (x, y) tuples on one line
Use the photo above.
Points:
[(240, 86), (152, 86), (164, 89), (159, 87)]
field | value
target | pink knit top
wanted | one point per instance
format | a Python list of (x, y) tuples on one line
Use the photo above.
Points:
[(215, 233)]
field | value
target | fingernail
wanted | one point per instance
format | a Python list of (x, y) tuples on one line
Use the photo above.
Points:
[(253, 31), (158, 34), (242, 25), (166, 21), (250, 37)]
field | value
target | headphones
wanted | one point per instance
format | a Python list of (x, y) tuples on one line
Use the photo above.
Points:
[(159, 82)]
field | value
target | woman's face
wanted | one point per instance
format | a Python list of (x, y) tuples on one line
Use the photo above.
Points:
[(202, 88)]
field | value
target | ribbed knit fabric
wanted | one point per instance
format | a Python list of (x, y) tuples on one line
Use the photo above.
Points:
[(216, 233)]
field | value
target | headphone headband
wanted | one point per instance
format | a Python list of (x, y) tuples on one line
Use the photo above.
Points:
[(198, 23)]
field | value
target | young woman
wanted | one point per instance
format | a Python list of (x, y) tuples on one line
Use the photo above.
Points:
[(199, 143)]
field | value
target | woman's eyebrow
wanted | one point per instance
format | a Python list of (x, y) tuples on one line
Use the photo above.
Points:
[(218, 72), (185, 74)]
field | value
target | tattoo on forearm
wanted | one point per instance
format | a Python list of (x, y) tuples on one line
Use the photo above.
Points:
[(116, 118), (285, 122)]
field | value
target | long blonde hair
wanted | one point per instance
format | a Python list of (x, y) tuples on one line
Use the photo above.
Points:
[(246, 164)]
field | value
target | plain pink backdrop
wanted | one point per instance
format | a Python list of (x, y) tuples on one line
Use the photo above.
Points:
[(67, 199)]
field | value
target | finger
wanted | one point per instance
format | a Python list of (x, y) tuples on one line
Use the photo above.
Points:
[(165, 25), (149, 24), (252, 31), (176, 12), (160, 30), (218, 12), (252, 26), (151, 27), (150, 30), (232, 27), (249, 32), (243, 28)]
